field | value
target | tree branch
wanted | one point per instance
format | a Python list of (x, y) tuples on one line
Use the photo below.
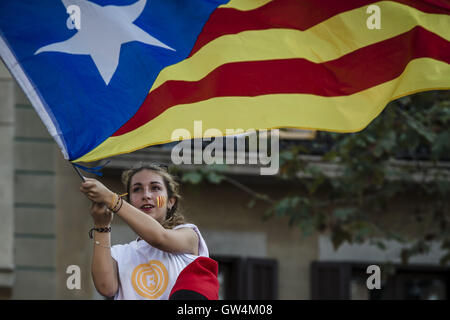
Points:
[(244, 188)]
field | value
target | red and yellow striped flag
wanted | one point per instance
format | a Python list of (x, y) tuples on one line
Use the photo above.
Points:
[(160, 201), (289, 63)]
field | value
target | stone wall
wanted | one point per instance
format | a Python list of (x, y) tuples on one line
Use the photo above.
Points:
[(7, 124)]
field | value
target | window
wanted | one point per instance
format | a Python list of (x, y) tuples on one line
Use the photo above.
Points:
[(247, 278), (347, 280)]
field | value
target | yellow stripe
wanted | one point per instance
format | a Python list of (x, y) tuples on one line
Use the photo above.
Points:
[(245, 5), (340, 114), (326, 41)]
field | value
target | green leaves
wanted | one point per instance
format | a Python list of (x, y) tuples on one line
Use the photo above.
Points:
[(213, 174), (251, 204), (193, 177), (298, 211), (418, 126), (214, 177), (419, 247), (441, 145), (343, 214), (339, 236), (289, 206), (390, 235), (380, 244), (360, 230)]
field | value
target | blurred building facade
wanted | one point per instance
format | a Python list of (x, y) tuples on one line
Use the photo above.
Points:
[(44, 224)]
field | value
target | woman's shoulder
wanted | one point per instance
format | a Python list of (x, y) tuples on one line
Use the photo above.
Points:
[(185, 225), (202, 247), (188, 226)]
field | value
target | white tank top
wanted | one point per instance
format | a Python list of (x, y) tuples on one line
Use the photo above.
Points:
[(149, 273)]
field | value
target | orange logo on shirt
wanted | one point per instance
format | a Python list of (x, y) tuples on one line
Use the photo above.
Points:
[(150, 279)]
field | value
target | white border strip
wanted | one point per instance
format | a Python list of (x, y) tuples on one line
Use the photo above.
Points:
[(32, 94)]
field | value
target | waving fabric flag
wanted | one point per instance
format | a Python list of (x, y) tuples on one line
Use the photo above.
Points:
[(131, 72)]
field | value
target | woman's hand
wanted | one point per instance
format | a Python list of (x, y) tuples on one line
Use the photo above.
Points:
[(96, 191), (101, 214)]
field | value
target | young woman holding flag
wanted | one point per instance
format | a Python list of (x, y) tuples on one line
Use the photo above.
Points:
[(148, 267)]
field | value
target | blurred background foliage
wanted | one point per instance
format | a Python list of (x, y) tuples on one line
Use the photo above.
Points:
[(404, 152)]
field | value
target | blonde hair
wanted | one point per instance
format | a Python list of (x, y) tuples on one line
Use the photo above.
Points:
[(173, 216)]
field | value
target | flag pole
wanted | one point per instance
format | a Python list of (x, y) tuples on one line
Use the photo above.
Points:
[(78, 172)]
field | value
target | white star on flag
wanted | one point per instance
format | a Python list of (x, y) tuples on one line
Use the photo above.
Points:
[(102, 33)]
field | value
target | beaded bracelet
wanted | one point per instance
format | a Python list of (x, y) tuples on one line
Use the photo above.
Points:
[(116, 201), (106, 229), (113, 200), (116, 208)]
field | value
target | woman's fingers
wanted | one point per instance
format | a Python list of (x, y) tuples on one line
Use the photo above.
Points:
[(89, 189), (87, 185), (95, 190), (85, 189)]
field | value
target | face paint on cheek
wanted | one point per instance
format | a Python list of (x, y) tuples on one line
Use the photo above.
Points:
[(160, 201)]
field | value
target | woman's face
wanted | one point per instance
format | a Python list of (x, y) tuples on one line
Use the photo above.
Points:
[(146, 185)]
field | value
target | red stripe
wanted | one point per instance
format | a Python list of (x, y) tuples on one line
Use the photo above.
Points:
[(356, 71), (293, 14)]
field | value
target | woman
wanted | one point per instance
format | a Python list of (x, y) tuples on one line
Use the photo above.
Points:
[(148, 267)]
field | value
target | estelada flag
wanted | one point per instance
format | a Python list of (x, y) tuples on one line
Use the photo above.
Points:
[(113, 76)]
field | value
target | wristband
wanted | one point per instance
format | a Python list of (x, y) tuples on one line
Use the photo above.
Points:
[(107, 229), (117, 207), (113, 200)]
